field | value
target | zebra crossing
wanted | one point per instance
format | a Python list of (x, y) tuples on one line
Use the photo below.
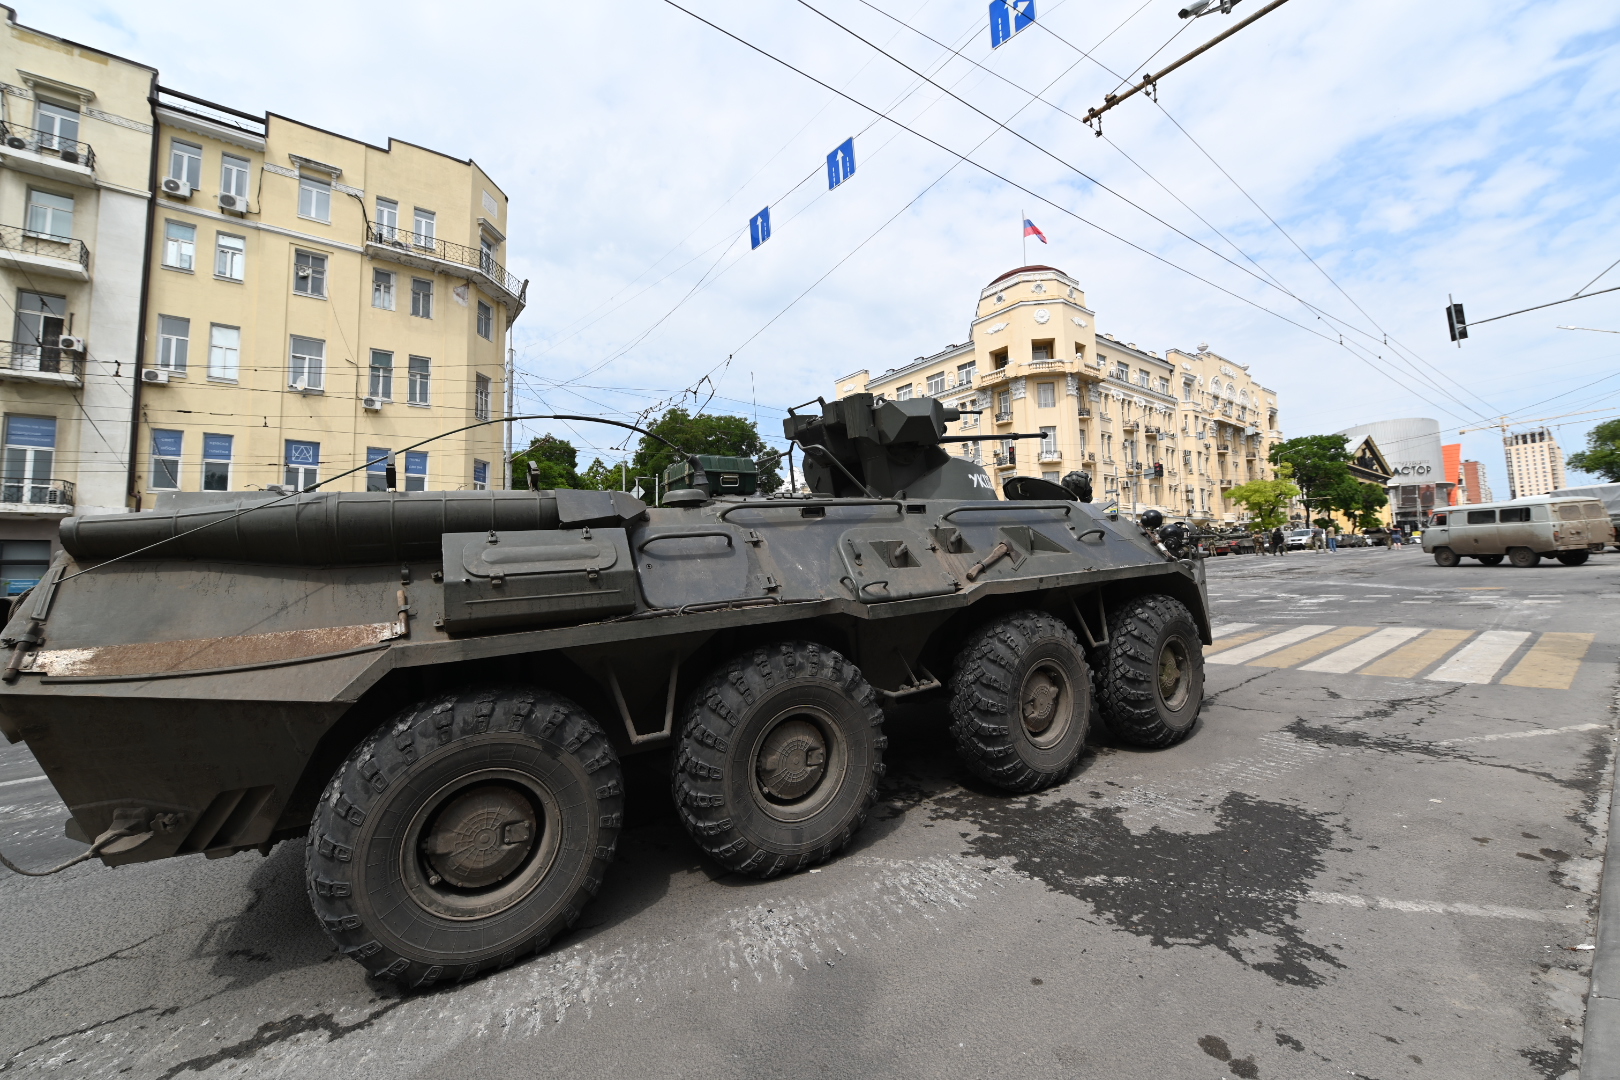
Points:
[(1550, 662)]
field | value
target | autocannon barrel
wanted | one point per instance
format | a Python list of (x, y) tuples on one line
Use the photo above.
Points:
[(336, 528)]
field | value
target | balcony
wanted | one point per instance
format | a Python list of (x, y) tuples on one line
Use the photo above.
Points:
[(22, 361), (1129, 425), (35, 498), (441, 256), (44, 154), (994, 376), (1045, 365), (1084, 413), (1225, 447), (1051, 455), (42, 253), (1004, 417)]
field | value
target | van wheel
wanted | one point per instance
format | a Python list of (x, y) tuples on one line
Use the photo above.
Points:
[(1524, 557), (779, 758), (1573, 558), (1445, 557), (1151, 683), (464, 834), (1021, 702), (1491, 560)]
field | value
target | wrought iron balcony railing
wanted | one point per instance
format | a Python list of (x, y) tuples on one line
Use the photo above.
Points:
[(15, 238), (17, 137), (407, 241), (1004, 417), (1051, 455), (20, 489), (29, 356)]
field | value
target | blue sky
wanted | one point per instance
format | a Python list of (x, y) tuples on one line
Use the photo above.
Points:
[(1413, 150)]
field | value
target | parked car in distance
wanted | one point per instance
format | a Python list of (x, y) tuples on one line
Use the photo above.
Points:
[(1523, 531), (1301, 539)]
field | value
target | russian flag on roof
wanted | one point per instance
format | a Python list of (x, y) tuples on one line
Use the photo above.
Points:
[(1031, 230)]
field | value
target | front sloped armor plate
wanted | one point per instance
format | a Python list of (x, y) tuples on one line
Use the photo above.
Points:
[(886, 563)]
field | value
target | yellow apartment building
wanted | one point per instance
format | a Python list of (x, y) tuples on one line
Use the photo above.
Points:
[(318, 304), (75, 189), (1168, 432)]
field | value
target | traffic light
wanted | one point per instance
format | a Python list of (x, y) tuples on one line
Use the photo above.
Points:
[(1158, 470), (1455, 322)]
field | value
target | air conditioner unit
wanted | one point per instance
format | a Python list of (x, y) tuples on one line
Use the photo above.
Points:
[(371, 404), (236, 204), (69, 343), (16, 143), (155, 375), (303, 271), (177, 188), (69, 156)]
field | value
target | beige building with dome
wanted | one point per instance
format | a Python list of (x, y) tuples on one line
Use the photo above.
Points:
[(1171, 432)]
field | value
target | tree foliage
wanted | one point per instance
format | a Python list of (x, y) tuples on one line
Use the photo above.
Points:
[(1267, 500), (1320, 465), (730, 436), (1602, 454), (1356, 500), (556, 462)]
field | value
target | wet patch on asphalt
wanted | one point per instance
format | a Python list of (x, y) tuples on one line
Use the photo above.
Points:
[(1236, 888)]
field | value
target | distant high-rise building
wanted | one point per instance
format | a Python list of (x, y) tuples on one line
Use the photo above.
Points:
[(1474, 488), (1535, 462), (1451, 453)]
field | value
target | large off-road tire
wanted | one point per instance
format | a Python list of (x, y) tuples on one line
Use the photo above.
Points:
[(1524, 558), (1151, 678), (1445, 557), (1021, 701), (464, 834), (1491, 560), (778, 758), (1573, 558)]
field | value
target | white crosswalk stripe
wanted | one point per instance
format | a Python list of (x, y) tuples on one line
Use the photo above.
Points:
[(1229, 628), (1482, 658), (1364, 651), (1255, 649)]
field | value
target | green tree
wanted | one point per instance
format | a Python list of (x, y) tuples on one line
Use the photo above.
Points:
[(1320, 464), (731, 436), (1267, 500), (1602, 453), (1373, 499), (601, 476), (556, 462)]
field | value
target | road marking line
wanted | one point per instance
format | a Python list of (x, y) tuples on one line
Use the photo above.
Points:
[(1365, 651), (1482, 658), (24, 780), (1230, 628), (1235, 640), (1552, 663), (1521, 734), (1316, 646), (1438, 907), (1244, 653), (1405, 663)]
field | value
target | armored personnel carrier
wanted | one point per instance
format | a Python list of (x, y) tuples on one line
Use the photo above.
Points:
[(434, 690)]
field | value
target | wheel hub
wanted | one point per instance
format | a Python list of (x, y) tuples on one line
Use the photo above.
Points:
[(792, 760), (480, 837), (1172, 675), (1039, 700)]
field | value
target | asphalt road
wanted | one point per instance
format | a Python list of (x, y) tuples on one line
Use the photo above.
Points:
[(1376, 857)]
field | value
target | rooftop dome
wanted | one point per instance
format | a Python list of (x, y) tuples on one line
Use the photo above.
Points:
[(1026, 270)]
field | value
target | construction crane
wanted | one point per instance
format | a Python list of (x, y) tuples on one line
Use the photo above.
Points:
[(1504, 422)]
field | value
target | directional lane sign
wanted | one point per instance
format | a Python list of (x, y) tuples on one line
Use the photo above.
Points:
[(1007, 17), (841, 163), (759, 227)]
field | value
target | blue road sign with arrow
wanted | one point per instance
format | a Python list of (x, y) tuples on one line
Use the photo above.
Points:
[(759, 227), (841, 163), (1007, 17)]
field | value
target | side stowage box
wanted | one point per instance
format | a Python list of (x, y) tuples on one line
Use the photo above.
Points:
[(494, 580)]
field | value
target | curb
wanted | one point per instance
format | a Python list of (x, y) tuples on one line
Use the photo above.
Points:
[(1600, 1038)]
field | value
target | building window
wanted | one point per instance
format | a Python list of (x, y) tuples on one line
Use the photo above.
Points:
[(382, 290), (1046, 395), (303, 464), (179, 245), (1186, 390), (230, 256), (419, 373), (422, 298), (1040, 350), (50, 215), (416, 471), (480, 475), (30, 454), (1122, 372), (314, 199), (217, 462), (23, 563), (224, 353), (936, 384), (387, 222), (233, 176), (58, 126), (382, 375), (486, 254), (166, 453), (377, 458), (1049, 440), (185, 163), (426, 227), (1144, 378), (481, 397), (307, 370), (174, 343), (41, 319), (1004, 404), (1164, 386), (965, 373), (309, 274), (902, 393), (1082, 443), (486, 321)]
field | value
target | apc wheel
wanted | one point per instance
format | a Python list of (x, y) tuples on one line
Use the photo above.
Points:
[(1151, 685), (464, 834), (1524, 558), (1573, 558), (779, 758), (1491, 560), (1021, 702), (1445, 557)]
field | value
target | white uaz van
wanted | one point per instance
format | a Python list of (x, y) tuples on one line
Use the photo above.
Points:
[(1524, 531)]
